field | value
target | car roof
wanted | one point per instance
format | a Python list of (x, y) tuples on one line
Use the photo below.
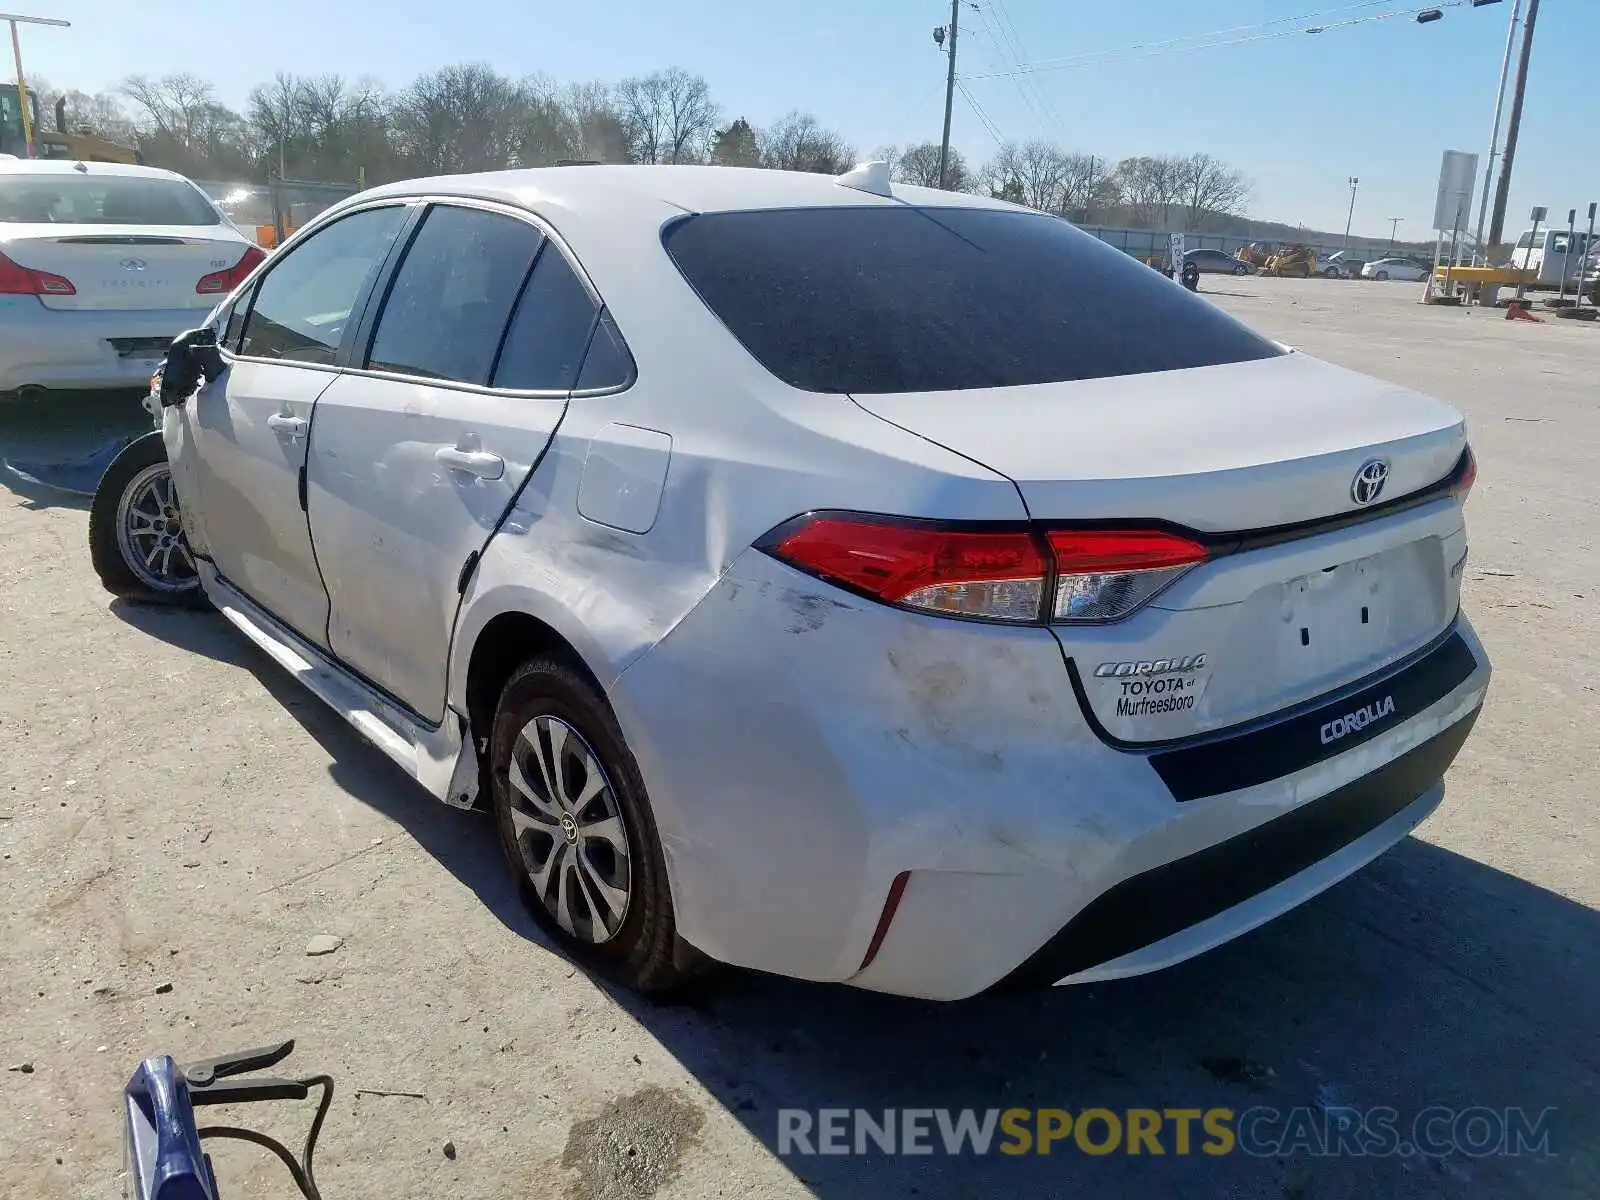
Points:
[(67, 166), (687, 189)]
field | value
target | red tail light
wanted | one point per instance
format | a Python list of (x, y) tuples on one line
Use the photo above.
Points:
[(1016, 575), (962, 572), (25, 281), (1467, 476), (222, 282)]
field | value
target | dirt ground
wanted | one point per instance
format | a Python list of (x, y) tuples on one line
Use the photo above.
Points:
[(178, 821)]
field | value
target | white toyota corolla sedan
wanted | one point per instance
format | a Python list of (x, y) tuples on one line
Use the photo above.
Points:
[(102, 265), (860, 583)]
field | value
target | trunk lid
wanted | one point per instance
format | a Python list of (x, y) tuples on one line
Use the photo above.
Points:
[(1216, 449), (1223, 450), (124, 266)]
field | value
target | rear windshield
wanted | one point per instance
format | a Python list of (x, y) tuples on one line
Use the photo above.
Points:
[(903, 299), (102, 200)]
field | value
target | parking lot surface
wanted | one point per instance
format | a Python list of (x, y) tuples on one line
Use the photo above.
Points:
[(178, 821)]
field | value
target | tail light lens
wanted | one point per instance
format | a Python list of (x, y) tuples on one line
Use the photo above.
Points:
[(221, 282), (959, 572), (1103, 575), (1020, 576), (1466, 476), (17, 280)]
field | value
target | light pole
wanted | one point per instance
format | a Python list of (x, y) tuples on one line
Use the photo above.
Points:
[(1497, 221), (13, 19), (1354, 182), (1494, 135), (1394, 226), (939, 35)]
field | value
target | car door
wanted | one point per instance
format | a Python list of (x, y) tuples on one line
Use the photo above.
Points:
[(416, 457), (251, 424)]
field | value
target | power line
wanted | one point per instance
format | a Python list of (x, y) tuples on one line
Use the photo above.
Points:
[(989, 126), (1001, 54), (1008, 30), (1199, 42)]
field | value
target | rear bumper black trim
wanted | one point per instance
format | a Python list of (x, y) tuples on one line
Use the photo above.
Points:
[(1166, 900), (1242, 756)]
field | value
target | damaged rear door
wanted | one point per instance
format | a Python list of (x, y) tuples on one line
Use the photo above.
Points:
[(455, 389)]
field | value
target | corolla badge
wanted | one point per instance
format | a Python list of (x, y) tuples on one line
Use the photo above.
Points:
[(1367, 486)]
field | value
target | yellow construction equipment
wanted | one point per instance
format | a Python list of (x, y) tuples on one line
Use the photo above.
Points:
[(59, 143), (1295, 262)]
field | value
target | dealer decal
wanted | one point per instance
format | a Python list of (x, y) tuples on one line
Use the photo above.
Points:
[(1355, 722), (1153, 687)]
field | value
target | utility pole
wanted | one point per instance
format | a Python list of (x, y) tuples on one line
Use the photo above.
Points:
[(1478, 246), (1497, 223), (950, 85), (13, 19), (1394, 227), (1351, 216)]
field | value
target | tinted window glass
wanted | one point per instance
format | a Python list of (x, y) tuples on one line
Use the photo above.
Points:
[(233, 326), (608, 363), (75, 199), (874, 300), (550, 332), (303, 305), (453, 294)]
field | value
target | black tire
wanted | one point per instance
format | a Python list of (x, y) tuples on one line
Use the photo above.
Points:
[(643, 952), (1241, 269), (132, 474), (1331, 273), (1380, 276)]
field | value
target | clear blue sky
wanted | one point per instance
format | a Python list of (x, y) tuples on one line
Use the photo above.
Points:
[(1298, 115)]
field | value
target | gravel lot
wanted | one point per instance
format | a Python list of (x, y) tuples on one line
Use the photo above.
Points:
[(178, 821)]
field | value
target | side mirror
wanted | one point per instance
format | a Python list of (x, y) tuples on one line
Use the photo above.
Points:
[(192, 359)]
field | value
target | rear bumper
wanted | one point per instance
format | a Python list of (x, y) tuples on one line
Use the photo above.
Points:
[(41, 347), (809, 755)]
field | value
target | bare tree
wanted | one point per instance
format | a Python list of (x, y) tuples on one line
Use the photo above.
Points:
[(1209, 188), (919, 165), (601, 136), (460, 118), (178, 106), (1033, 173), (668, 116), (798, 142), (1150, 188)]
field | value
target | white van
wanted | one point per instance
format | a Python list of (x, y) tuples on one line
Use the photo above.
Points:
[(1547, 252)]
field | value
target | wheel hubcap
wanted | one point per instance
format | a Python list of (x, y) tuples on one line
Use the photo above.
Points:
[(569, 830), (150, 532)]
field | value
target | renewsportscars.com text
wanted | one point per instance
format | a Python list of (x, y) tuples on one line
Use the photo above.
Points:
[(1439, 1131)]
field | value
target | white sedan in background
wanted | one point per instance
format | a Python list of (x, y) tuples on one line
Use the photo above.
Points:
[(1395, 268), (868, 584), (101, 265)]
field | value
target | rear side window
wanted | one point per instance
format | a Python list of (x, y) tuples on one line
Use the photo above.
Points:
[(453, 294), (545, 344), (73, 199), (900, 299)]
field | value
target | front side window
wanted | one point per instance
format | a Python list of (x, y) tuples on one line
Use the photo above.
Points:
[(887, 299), (453, 294), (304, 304)]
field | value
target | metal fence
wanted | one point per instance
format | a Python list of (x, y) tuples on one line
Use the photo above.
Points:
[(274, 210), (1152, 243)]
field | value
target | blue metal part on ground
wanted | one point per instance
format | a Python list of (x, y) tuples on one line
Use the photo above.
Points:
[(79, 476)]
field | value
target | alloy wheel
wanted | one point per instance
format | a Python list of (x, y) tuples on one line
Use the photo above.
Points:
[(569, 830), (150, 532)]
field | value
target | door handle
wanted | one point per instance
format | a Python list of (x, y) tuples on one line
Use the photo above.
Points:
[(287, 423), (474, 462)]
